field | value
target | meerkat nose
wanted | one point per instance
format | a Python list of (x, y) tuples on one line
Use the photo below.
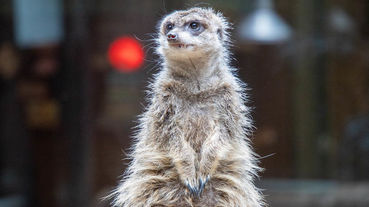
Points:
[(172, 37)]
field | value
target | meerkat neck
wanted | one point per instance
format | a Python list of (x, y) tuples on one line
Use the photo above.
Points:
[(196, 69)]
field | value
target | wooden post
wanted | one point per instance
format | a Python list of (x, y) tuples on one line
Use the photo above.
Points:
[(308, 100), (77, 106)]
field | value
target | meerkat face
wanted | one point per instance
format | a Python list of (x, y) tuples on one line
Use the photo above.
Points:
[(192, 33)]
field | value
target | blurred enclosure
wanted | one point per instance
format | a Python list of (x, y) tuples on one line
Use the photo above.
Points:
[(66, 115)]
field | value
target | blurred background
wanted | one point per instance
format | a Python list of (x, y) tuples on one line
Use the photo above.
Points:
[(68, 102)]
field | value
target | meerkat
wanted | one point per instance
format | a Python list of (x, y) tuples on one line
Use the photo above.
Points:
[(192, 146)]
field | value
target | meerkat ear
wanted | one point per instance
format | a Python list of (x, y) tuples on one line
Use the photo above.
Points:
[(220, 33)]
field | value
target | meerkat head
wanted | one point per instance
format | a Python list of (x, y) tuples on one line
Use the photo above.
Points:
[(191, 34)]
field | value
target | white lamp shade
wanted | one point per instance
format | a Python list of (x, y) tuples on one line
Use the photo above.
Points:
[(264, 26)]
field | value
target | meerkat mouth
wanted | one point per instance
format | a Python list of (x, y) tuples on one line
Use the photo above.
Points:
[(182, 45)]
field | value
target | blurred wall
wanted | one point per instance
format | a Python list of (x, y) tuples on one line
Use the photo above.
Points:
[(66, 115)]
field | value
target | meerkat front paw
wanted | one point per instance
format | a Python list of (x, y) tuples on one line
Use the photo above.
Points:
[(196, 187), (203, 180), (192, 186)]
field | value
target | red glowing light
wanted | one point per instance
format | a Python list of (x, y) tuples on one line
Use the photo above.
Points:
[(126, 54)]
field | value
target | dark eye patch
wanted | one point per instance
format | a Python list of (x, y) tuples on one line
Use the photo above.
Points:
[(169, 26), (195, 27)]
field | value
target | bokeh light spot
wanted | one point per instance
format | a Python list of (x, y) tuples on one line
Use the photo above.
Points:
[(126, 54)]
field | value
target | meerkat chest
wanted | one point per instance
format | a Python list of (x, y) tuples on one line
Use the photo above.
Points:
[(191, 116), (197, 123)]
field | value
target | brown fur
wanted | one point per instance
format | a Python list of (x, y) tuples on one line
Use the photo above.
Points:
[(196, 126)]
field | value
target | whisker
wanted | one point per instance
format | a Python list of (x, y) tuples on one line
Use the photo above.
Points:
[(266, 156)]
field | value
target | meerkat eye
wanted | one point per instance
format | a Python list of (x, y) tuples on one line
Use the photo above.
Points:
[(194, 25), (169, 26)]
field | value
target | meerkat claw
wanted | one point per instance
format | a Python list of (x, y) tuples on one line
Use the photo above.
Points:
[(202, 183), (192, 189), (201, 186), (207, 179)]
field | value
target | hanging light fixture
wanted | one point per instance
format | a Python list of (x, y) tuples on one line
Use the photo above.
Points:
[(264, 25), (340, 22)]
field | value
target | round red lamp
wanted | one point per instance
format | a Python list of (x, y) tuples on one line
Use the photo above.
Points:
[(126, 54)]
